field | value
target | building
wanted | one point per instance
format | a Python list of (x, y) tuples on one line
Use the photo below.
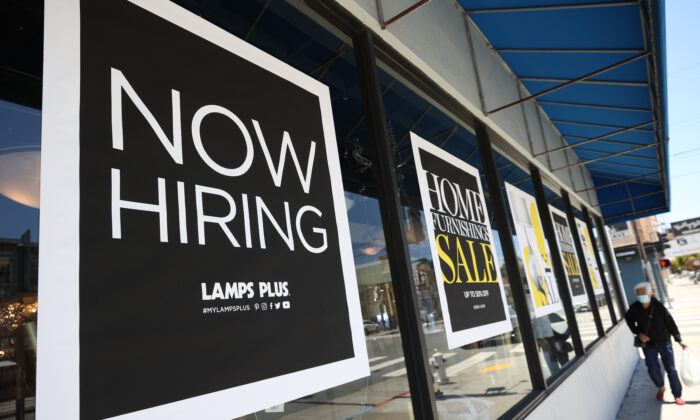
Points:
[(157, 250), (638, 249)]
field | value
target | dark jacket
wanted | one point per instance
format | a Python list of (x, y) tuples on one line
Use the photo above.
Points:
[(662, 324)]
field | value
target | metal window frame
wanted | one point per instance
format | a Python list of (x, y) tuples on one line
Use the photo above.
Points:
[(419, 375), (607, 252), (599, 262)]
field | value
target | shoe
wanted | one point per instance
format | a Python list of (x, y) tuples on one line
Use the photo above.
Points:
[(660, 394), (680, 401)]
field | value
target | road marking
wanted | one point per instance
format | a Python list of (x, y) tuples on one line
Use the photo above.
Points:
[(402, 371), (688, 310), (587, 330), (465, 364), (385, 364), (689, 330), (374, 359), (686, 316), (496, 367), (588, 337)]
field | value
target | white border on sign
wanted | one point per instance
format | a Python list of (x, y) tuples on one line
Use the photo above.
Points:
[(588, 254), (513, 193), (470, 335), (58, 358), (583, 297)]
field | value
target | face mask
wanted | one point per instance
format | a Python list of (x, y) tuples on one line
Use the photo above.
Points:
[(643, 298)]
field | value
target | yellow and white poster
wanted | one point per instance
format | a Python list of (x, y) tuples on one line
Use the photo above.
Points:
[(588, 254), (537, 261)]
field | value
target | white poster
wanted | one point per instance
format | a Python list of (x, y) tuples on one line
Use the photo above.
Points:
[(195, 250), (544, 291), (588, 254), (568, 256), (471, 290)]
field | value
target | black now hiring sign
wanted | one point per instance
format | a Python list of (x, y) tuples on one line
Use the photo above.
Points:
[(196, 257)]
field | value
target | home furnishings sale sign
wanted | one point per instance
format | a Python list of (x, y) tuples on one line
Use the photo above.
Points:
[(472, 296), (196, 258)]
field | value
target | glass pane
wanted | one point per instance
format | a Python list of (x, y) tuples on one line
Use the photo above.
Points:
[(385, 392), (607, 275), (20, 153), (488, 377)]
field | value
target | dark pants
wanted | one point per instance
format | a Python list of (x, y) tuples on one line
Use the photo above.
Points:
[(651, 355)]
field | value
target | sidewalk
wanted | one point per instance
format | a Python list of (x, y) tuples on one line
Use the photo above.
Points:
[(640, 401)]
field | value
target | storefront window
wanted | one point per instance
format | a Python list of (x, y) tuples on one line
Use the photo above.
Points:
[(19, 231), (487, 377)]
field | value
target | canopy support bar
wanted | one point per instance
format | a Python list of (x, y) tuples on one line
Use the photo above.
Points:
[(624, 143), (589, 82), (586, 124), (625, 165), (583, 162), (569, 146), (612, 108), (602, 153), (562, 7), (619, 182), (571, 82), (595, 172), (566, 51), (399, 15), (634, 213), (622, 200)]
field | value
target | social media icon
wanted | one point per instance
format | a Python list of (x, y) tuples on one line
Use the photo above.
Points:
[(286, 304), (277, 305), (263, 306), (256, 306)]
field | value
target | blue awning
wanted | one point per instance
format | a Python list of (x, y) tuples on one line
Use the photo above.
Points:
[(550, 42)]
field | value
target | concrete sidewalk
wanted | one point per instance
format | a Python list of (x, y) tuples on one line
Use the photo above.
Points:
[(640, 401)]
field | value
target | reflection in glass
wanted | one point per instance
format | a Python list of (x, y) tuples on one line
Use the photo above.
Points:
[(20, 140)]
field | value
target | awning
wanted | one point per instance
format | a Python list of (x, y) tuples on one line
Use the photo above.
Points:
[(600, 70)]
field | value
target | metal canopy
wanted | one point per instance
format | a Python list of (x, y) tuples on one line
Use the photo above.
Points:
[(598, 70)]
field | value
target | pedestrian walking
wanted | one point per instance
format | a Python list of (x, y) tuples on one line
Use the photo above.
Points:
[(653, 327)]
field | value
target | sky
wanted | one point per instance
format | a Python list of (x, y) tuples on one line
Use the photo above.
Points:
[(683, 67)]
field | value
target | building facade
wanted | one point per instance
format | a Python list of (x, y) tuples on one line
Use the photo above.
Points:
[(169, 207)]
